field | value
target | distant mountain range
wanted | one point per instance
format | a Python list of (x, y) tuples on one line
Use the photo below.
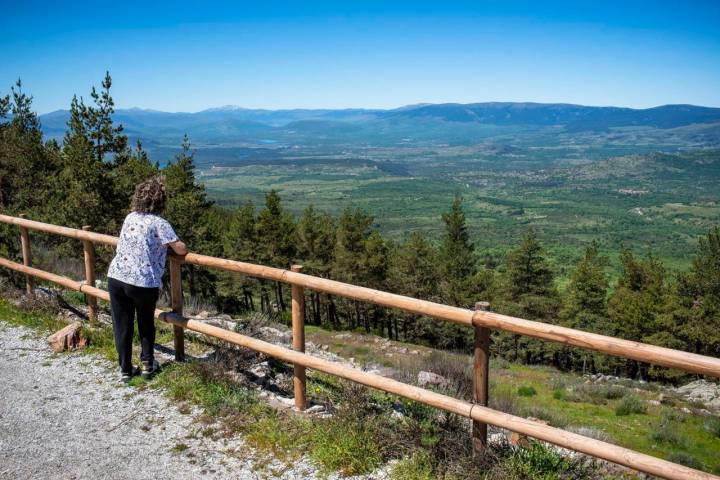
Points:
[(236, 124)]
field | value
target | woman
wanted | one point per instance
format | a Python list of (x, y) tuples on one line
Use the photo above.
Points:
[(136, 272)]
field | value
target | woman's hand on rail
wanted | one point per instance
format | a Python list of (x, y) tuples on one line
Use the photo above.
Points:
[(178, 247)]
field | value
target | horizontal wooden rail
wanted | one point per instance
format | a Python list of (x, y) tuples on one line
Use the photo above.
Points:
[(643, 352), (596, 448)]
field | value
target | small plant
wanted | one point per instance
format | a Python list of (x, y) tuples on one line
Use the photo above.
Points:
[(630, 404), (526, 391), (686, 459), (559, 394), (554, 418), (540, 461), (667, 433), (712, 425), (179, 448), (415, 467)]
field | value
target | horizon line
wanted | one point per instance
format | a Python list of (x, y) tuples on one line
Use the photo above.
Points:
[(418, 104)]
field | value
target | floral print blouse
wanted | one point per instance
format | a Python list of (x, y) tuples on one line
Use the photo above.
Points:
[(142, 249)]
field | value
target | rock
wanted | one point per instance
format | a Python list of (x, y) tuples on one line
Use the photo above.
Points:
[(315, 409), (69, 338), (343, 335), (260, 370), (203, 315), (425, 379), (402, 350), (325, 347), (289, 402), (702, 391)]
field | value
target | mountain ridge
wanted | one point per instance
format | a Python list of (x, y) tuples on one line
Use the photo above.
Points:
[(234, 123)]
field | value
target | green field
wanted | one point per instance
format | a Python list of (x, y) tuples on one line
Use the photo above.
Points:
[(648, 202)]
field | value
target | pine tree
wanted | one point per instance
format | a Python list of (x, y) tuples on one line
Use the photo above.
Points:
[(414, 271), (275, 234), (26, 164), (637, 302), (528, 272), (105, 136), (695, 307), (457, 255), (239, 243), (84, 188), (353, 229), (585, 306), (191, 215), (315, 235), (586, 299), (528, 291)]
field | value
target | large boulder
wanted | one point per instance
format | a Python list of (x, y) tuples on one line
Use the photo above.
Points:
[(707, 393), (69, 338)]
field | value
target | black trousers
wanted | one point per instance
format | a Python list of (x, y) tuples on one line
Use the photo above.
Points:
[(127, 301)]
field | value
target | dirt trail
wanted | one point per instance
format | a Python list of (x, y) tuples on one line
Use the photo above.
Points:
[(69, 417)]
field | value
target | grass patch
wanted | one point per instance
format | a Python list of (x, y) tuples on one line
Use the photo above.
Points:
[(712, 425), (540, 461), (415, 467)]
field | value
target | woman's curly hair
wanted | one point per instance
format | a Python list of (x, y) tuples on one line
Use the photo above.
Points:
[(150, 196)]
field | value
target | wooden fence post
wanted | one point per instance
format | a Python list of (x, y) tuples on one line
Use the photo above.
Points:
[(89, 251), (27, 259), (481, 371), (298, 340), (176, 300)]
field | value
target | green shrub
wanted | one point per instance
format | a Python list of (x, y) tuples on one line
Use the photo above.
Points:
[(686, 459), (712, 425), (559, 394), (630, 404), (667, 433), (526, 391), (541, 461)]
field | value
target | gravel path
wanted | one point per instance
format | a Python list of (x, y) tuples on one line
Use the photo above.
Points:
[(68, 416)]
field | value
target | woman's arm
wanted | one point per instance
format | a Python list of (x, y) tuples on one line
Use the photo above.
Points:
[(178, 247)]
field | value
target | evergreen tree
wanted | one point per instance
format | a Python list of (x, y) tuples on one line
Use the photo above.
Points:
[(315, 244), (586, 300), (275, 234), (26, 164), (528, 272), (191, 214), (585, 306), (104, 135), (695, 307), (528, 291), (414, 271), (636, 305), (84, 188), (457, 255), (353, 229), (239, 243)]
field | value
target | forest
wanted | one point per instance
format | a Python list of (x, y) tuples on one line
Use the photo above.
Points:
[(88, 177)]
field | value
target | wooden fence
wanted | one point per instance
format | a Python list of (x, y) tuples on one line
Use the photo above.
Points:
[(481, 321)]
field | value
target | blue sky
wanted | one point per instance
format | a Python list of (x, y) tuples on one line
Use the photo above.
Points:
[(185, 56)]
